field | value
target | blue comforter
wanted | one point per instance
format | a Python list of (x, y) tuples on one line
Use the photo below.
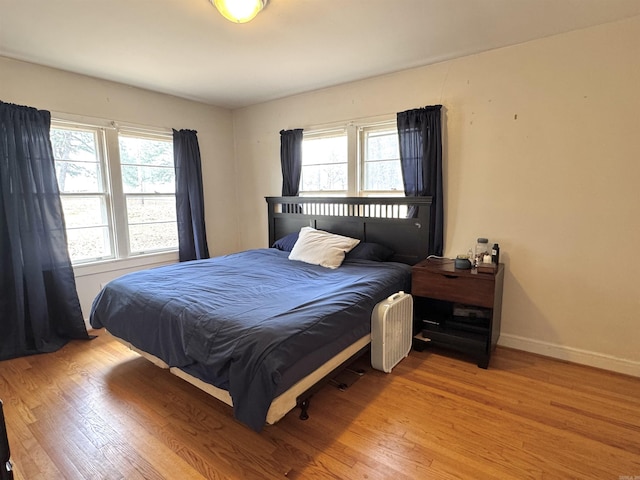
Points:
[(246, 318)]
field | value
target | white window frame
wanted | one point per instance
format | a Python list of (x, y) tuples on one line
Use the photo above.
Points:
[(363, 131), (355, 132), (108, 143), (101, 154), (147, 135), (322, 134)]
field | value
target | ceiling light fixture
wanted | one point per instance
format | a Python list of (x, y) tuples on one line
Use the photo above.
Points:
[(239, 11)]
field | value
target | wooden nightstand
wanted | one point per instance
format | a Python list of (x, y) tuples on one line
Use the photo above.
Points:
[(458, 309)]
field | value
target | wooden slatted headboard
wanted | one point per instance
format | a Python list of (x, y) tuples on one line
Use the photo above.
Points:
[(400, 223)]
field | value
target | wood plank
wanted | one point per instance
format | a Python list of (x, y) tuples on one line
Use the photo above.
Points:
[(97, 410)]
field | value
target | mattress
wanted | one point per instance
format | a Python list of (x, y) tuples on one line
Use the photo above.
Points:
[(252, 323)]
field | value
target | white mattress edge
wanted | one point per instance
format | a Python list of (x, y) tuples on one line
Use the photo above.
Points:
[(283, 403)]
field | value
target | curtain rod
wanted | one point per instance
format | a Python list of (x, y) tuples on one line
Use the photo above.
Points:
[(89, 121), (128, 128), (344, 124)]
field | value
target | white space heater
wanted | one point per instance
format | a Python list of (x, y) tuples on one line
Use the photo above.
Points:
[(391, 331)]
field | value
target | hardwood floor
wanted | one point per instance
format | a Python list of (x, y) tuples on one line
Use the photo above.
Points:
[(95, 410)]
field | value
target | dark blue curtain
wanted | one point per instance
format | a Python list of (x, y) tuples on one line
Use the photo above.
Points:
[(291, 160), (39, 306), (420, 141), (192, 235)]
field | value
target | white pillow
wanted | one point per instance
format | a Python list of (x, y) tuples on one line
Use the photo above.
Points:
[(321, 248)]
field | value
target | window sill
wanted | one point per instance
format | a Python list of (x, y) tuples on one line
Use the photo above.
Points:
[(83, 270)]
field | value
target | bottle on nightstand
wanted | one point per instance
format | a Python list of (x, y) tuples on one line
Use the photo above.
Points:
[(482, 249), (495, 254)]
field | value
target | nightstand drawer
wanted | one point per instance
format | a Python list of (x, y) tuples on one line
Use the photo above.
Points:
[(471, 290)]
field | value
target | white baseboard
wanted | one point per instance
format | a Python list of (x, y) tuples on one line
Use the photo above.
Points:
[(575, 355)]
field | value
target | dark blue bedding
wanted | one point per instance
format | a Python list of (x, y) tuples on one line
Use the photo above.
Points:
[(243, 320)]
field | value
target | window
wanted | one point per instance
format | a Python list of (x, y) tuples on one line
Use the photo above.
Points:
[(148, 181), (82, 183), (117, 190), (381, 171), (324, 163), (356, 160)]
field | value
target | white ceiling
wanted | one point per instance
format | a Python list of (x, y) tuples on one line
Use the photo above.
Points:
[(186, 48)]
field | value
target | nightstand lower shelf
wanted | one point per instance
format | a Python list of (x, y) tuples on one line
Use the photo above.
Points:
[(473, 344)]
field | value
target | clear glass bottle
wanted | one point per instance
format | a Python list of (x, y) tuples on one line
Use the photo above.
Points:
[(482, 249)]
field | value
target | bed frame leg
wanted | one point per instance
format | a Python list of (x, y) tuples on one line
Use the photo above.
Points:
[(304, 406)]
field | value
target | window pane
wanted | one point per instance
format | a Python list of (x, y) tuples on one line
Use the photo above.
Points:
[(74, 144), (382, 146), (151, 209), (382, 169), (153, 236), (326, 150), (88, 243), (324, 177), (324, 164), (78, 177), (77, 163), (384, 175), (84, 211), (144, 151), (152, 223), (87, 224), (142, 179)]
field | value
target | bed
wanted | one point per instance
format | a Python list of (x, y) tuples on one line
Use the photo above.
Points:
[(260, 331)]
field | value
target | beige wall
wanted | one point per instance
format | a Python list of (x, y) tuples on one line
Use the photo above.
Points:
[(542, 154), (50, 89)]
